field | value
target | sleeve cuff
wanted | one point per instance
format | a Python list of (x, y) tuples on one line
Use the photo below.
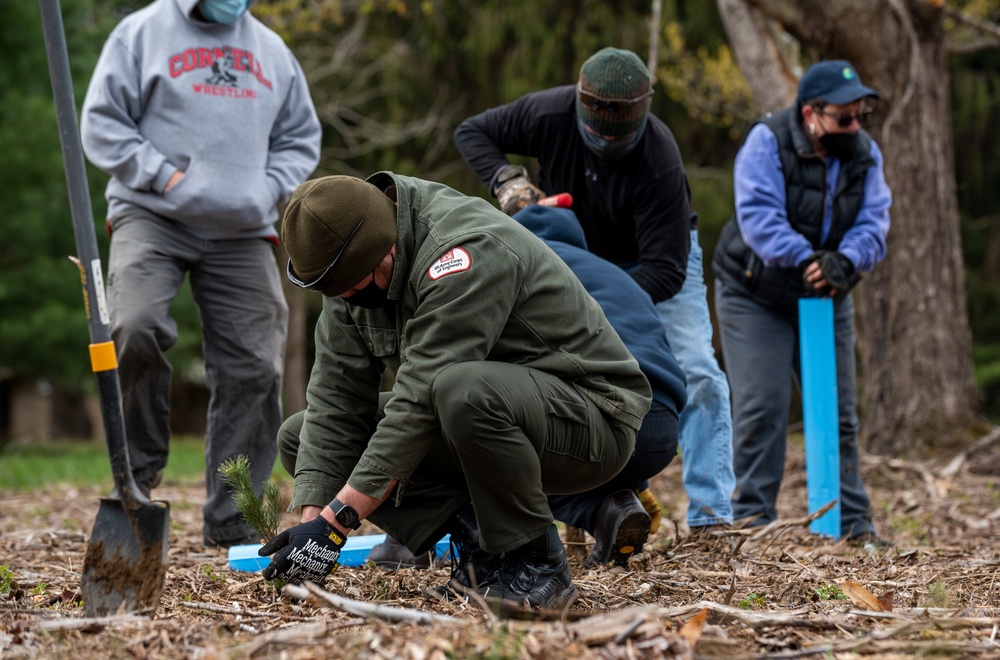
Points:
[(313, 490), (162, 176)]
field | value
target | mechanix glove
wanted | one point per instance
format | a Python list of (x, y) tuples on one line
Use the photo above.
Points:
[(305, 552), (514, 190)]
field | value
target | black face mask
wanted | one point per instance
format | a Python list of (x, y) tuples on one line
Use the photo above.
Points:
[(370, 297), (609, 149), (841, 145)]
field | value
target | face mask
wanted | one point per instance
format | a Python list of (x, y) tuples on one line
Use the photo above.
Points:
[(605, 148), (370, 297), (841, 145), (223, 12)]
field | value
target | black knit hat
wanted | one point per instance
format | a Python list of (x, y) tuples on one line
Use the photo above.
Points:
[(613, 95), (336, 230)]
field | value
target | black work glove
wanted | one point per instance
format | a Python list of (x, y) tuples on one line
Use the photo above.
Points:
[(514, 190), (307, 552), (838, 271)]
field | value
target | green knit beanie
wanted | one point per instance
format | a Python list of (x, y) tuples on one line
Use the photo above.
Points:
[(325, 213), (613, 74)]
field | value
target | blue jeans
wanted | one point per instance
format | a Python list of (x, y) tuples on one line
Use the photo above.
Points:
[(761, 347), (706, 431)]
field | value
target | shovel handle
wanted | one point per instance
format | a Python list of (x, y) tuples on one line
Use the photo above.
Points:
[(98, 322)]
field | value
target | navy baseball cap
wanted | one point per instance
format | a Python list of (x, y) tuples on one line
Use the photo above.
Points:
[(834, 81)]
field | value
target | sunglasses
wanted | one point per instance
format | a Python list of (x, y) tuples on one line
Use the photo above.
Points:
[(598, 104), (322, 282), (844, 120)]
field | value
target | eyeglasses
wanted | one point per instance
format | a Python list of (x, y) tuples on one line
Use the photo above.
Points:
[(845, 120), (598, 104), (322, 282)]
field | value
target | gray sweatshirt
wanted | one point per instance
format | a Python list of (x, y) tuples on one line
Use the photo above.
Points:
[(226, 104)]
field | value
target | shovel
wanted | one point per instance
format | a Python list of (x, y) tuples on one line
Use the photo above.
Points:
[(126, 561)]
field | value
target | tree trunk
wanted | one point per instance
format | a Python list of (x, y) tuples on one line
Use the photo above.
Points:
[(914, 342)]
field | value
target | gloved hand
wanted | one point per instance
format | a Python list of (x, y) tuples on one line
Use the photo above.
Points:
[(652, 507), (838, 271), (305, 552), (514, 190)]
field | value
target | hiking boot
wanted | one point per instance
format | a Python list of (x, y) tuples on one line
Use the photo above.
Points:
[(471, 566), (145, 487), (621, 527), (225, 544), (535, 575), (391, 555)]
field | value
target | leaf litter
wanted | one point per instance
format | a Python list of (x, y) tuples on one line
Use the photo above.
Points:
[(775, 592)]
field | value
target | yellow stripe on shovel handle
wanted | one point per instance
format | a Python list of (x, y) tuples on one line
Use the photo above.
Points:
[(103, 357)]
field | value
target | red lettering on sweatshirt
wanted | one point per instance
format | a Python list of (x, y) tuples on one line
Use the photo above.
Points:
[(224, 59)]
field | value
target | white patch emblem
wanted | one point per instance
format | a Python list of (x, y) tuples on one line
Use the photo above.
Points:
[(454, 260)]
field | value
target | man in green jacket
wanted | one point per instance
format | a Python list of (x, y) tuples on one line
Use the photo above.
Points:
[(511, 385)]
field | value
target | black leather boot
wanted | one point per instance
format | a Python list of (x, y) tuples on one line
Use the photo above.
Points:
[(471, 566), (535, 576), (621, 527)]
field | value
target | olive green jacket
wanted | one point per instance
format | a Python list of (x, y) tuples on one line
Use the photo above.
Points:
[(469, 285)]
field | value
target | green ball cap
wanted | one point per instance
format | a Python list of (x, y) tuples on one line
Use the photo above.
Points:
[(322, 215)]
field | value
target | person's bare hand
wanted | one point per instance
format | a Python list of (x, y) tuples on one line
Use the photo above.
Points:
[(174, 179)]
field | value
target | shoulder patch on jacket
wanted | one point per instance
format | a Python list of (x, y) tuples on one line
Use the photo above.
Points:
[(454, 260)]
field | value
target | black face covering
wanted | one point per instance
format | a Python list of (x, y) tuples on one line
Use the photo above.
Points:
[(841, 145), (370, 297)]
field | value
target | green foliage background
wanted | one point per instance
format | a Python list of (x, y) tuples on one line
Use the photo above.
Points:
[(391, 80)]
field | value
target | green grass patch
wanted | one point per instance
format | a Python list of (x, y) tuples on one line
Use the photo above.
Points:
[(35, 465)]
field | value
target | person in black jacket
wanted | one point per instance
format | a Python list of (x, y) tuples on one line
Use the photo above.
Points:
[(598, 141)]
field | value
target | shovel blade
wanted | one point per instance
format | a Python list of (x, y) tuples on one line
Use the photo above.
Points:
[(126, 561)]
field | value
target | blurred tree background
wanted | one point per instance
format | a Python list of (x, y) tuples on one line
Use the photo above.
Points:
[(391, 80)]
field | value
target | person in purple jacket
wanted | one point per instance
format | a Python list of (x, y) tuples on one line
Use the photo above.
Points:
[(812, 212), (202, 117)]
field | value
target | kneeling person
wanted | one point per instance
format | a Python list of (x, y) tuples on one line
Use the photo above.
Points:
[(511, 385), (612, 512)]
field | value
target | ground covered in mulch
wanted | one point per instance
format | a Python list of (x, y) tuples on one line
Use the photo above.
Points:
[(779, 592)]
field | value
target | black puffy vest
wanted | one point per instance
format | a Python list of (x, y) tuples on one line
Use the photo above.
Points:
[(805, 191)]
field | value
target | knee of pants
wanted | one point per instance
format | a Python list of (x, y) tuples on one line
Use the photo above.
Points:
[(139, 332), (288, 441), (462, 398)]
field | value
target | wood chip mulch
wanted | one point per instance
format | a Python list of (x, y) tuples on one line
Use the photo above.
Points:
[(775, 592)]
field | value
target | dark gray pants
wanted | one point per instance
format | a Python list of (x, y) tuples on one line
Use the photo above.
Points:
[(236, 287), (761, 351), (510, 436)]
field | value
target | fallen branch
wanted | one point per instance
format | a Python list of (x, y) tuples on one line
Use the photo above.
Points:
[(779, 526), (219, 609), (93, 623), (384, 612)]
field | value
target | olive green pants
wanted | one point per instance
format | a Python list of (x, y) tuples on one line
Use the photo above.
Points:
[(510, 436)]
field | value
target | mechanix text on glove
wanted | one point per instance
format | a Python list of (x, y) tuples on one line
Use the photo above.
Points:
[(309, 551)]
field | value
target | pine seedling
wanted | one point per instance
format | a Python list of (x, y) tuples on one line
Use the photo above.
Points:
[(262, 514)]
